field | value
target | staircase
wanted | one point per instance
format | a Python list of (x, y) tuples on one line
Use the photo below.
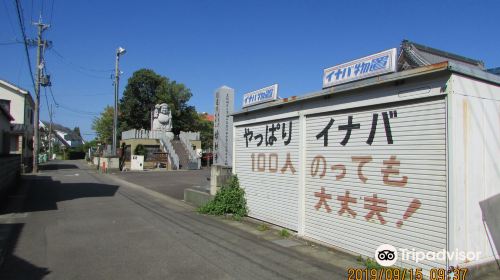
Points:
[(181, 152)]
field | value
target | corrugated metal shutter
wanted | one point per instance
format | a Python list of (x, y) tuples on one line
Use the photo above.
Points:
[(367, 205), (270, 173)]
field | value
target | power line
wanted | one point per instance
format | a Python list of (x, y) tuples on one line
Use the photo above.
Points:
[(78, 111), (52, 11), (90, 94), (46, 99), (50, 86), (21, 25), (52, 94), (32, 8), (79, 66)]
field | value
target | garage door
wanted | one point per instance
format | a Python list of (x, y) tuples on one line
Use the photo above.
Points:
[(267, 165), (378, 176)]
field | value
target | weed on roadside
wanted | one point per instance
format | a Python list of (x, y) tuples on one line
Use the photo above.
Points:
[(284, 233), (263, 227), (229, 199)]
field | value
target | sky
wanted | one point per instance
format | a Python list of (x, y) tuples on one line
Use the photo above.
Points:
[(246, 45)]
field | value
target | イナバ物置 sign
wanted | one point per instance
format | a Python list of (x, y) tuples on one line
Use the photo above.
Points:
[(368, 66), (262, 95)]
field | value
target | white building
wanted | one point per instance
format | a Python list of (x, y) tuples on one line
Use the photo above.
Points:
[(21, 109), (402, 158)]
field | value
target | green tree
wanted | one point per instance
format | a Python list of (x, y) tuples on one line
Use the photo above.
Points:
[(103, 125), (206, 129), (145, 89), (90, 144)]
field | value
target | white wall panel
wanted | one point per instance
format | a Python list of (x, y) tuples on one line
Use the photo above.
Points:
[(271, 186), (475, 155), (417, 175)]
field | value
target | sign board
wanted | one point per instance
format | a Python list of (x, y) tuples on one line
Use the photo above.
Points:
[(368, 66), (223, 126), (262, 95)]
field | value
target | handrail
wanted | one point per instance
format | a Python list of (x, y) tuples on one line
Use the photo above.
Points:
[(167, 145)]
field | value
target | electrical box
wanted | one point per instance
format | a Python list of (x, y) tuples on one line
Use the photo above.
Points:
[(137, 163)]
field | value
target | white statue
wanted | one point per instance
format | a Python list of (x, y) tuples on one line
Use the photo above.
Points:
[(162, 118)]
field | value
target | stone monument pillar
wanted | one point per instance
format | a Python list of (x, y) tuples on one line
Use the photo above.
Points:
[(223, 137)]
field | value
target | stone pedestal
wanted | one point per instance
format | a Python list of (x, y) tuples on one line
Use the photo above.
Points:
[(219, 175)]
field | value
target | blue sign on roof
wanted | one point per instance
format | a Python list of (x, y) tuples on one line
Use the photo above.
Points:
[(372, 65), (262, 95)]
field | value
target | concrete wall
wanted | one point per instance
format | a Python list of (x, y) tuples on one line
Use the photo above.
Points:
[(134, 142), (145, 142), (10, 170)]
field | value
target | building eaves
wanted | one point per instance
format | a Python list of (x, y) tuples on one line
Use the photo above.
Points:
[(13, 87), (18, 90), (413, 50)]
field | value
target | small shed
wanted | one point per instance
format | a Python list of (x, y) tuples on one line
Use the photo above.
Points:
[(401, 159)]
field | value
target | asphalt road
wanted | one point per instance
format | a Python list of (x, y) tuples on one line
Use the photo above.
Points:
[(171, 183), (77, 224)]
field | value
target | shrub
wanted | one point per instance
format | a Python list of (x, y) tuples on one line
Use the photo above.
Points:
[(140, 150), (229, 199)]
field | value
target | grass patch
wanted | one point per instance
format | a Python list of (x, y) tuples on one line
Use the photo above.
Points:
[(229, 199)]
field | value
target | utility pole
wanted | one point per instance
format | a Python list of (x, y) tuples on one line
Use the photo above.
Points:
[(119, 52), (50, 132), (39, 67)]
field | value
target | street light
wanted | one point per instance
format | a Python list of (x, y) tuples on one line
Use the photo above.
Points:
[(119, 51)]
